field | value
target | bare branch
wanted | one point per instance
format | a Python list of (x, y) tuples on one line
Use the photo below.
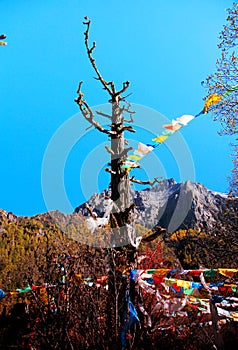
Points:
[(104, 114), (111, 83), (125, 87), (118, 155), (151, 183), (128, 128), (131, 120), (124, 152), (127, 109), (109, 150), (88, 113), (110, 171), (89, 127), (125, 97), (105, 84)]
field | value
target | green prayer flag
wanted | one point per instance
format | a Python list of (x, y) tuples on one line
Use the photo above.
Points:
[(167, 132), (227, 93), (230, 89), (24, 290), (210, 273), (150, 271), (188, 291)]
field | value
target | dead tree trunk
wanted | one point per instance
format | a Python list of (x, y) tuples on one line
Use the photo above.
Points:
[(120, 182)]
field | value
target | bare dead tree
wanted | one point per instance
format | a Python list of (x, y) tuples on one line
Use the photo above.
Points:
[(120, 180), (122, 205)]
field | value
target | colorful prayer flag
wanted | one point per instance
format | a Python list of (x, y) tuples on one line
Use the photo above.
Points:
[(160, 138), (185, 119), (173, 126), (134, 157), (211, 100), (144, 149)]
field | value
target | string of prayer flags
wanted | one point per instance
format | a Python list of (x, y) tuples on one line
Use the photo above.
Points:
[(184, 291), (169, 272), (170, 129), (142, 149), (149, 279), (101, 281)]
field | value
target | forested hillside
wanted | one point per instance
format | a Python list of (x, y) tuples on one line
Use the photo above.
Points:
[(56, 287)]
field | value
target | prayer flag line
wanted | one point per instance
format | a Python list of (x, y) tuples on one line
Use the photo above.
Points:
[(169, 129)]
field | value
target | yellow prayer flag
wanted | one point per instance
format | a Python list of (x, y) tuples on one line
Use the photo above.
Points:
[(134, 157), (161, 272), (184, 284), (234, 314), (227, 272), (169, 281), (160, 138), (211, 100)]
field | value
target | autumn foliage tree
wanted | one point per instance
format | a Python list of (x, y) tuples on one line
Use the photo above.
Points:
[(224, 82)]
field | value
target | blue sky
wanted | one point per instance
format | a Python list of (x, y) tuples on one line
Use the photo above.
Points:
[(165, 49)]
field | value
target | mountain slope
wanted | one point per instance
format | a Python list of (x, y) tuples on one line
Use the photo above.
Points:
[(171, 205)]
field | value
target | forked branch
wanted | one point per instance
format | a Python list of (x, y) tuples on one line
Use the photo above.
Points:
[(90, 50), (88, 113), (108, 86)]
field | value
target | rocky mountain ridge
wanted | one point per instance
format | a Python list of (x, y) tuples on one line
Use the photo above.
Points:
[(171, 205), (168, 204)]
